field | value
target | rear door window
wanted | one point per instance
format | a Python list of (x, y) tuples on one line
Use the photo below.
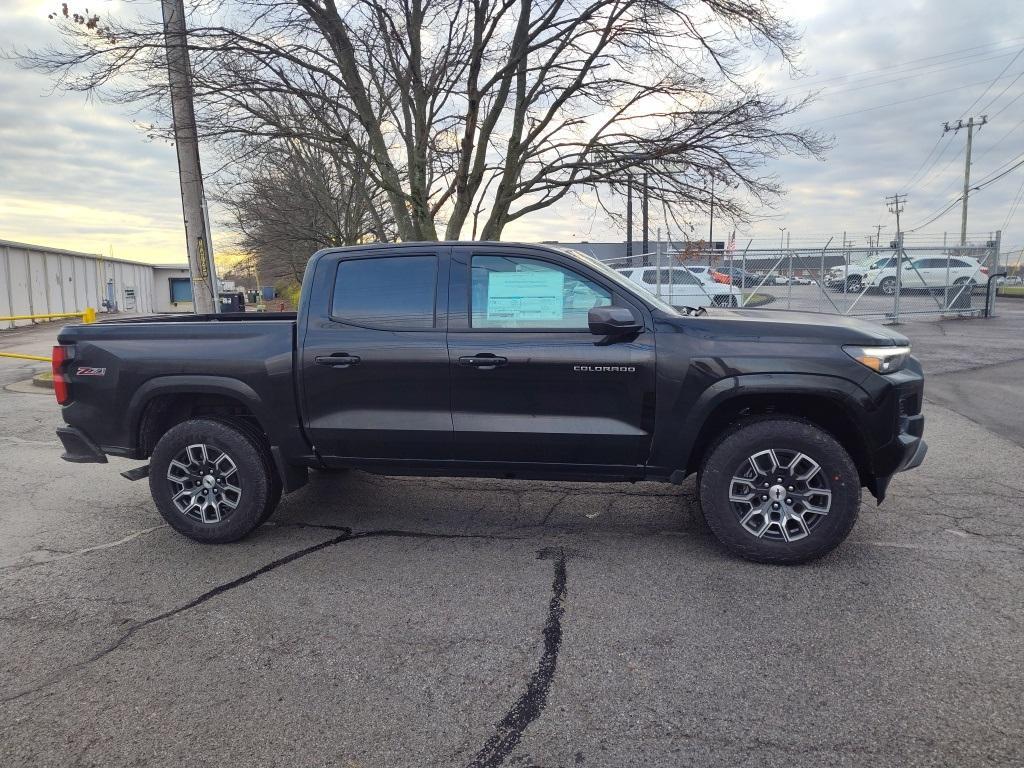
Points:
[(393, 292)]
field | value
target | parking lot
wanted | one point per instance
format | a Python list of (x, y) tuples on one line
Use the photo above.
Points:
[(381, 621)]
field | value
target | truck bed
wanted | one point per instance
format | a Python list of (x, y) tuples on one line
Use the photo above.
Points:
[(250, 357), (190, 318)]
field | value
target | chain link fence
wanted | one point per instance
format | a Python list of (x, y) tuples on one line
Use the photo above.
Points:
[(889, 284)]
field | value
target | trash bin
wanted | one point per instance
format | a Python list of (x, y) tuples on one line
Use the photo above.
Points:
[(232, 302)]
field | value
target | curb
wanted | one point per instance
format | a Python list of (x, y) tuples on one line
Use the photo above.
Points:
[(43, 380)]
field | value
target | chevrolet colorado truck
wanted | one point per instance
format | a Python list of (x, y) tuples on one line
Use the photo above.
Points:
[(499, 360)]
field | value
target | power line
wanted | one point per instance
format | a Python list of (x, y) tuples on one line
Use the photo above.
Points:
[(1013, 206), (1008, 105), (891, 68), (987, 89), (928, 171), (927, 158), (945, 168), (938, 216), (1001, 139), (1008, 87), (994, 179), (909, 75), (896, 103), (986, 182)]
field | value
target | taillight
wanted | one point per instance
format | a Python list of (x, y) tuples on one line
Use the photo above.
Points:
[(60, 382), (984, 270)]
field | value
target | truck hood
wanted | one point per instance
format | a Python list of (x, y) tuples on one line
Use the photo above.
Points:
[(785, 325)]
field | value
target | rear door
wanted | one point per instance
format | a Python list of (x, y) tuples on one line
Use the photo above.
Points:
[(530, 383), (374, 359)]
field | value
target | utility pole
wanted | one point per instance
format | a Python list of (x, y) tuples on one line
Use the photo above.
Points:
[(967, 165), (190, 175), (629, 218), (711, 222), (896, 205), (643, 216)]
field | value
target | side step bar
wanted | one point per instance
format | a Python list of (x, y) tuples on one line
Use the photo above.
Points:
[(136, 474)]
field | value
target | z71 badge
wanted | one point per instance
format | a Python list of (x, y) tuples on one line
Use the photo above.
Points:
[(85, 371)]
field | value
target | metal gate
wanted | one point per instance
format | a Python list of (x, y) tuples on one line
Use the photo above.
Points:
[(889, 284)]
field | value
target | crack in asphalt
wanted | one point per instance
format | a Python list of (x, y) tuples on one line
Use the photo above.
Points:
[(18, 566), (529, 706), (344, 534)]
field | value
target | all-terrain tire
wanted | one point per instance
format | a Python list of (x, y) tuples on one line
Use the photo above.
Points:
[(785, 436), (261, 443), (209, 518)]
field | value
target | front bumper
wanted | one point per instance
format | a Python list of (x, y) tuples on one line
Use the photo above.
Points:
[(907, 449), (79, 447)]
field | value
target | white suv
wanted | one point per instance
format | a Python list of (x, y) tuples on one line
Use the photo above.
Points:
[(851, 277), (928, 272), (682, 288)]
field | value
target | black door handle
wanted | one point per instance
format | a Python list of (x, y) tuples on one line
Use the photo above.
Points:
[(485, 361), (339, 360)]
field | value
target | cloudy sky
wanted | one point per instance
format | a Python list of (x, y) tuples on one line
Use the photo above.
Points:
[(81, 175)]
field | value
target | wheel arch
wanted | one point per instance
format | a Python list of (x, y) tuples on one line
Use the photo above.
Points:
[(830, 403), (162, 402)]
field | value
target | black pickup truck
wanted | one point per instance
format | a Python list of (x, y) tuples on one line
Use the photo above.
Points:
[(499, 360)]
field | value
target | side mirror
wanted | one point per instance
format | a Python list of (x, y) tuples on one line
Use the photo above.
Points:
[(612, 321)]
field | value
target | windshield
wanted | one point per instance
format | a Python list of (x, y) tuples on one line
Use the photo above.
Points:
[(619, 279)]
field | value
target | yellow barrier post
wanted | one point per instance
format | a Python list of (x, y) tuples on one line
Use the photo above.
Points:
[(88, 315), (18, 356)]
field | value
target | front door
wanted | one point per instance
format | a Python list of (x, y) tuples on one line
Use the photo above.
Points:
[(375, 364), (530, 382)]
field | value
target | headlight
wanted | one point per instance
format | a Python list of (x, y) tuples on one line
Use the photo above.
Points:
[(879, 359)]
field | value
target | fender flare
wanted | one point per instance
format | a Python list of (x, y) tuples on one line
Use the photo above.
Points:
[(846, 394), (196, 384)]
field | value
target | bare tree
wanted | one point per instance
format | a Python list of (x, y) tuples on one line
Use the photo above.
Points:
[(285, 199), (475, 113)]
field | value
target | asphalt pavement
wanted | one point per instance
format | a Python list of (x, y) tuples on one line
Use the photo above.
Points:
[(382, 621)]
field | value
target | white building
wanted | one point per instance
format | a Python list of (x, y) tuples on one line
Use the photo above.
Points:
[(38, 280)]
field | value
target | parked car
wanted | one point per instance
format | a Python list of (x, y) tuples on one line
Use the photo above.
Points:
[(680, 287), (741, 278), (928, 272), (480, 359), (850, 278), (802, 280), (713, 275)]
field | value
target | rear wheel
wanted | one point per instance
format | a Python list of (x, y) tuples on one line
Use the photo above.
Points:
[(965, 284), (779, 491), (212, 481)]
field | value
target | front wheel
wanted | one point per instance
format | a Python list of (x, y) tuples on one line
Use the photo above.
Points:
[(212, 480), (779, 490), (888, 286)]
